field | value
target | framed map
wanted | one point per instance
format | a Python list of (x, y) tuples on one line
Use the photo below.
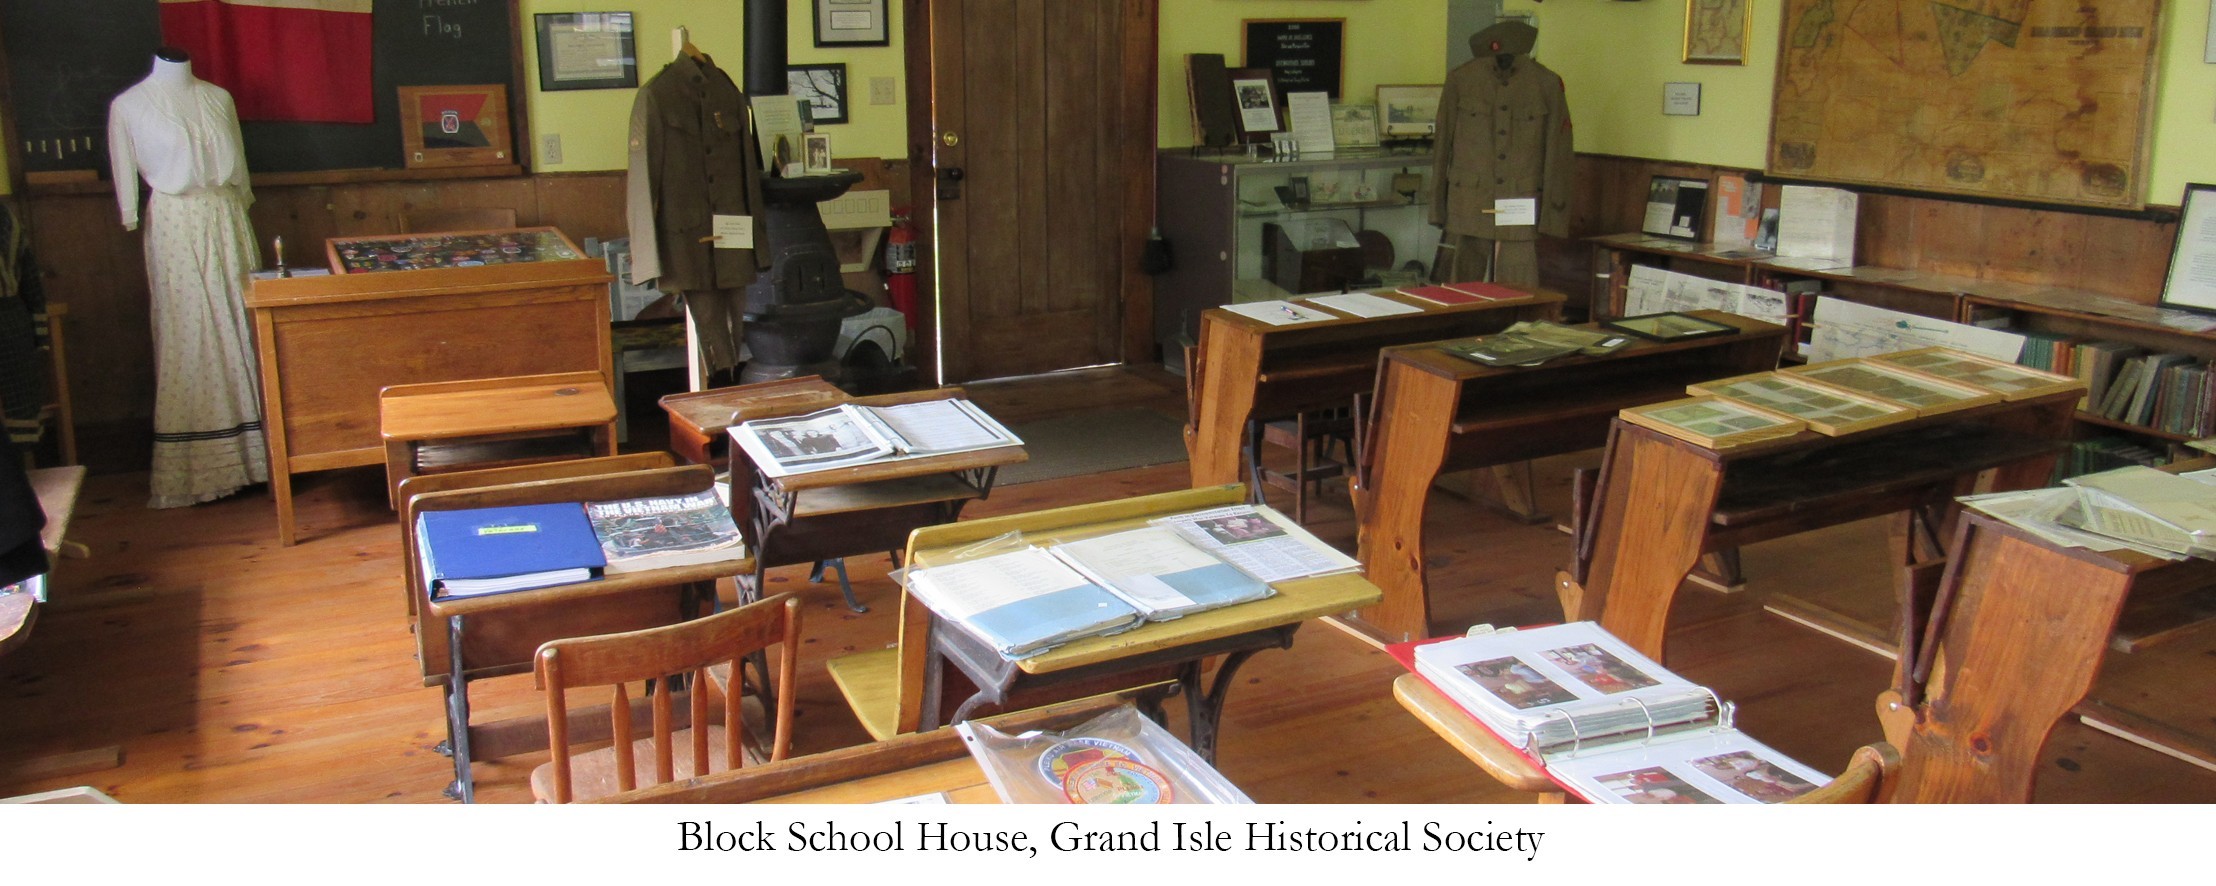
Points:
[(1716, 32), (2046, 101)]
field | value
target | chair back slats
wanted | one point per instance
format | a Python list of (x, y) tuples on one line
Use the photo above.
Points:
[(671, 661)]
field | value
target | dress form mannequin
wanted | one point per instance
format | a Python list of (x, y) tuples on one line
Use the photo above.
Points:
[(1503, 134), (181, 134)]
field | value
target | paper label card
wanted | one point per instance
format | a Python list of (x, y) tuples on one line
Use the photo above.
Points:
[(1516, 211), (734, 231)]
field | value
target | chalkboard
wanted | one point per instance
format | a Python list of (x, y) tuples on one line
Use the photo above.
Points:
[(1302, 54), (67, 60)]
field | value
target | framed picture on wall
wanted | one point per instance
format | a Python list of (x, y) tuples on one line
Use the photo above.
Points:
[(2191, 283), (821, 89), (852, 23), (1717, 32), (444, 126), (586, 50)]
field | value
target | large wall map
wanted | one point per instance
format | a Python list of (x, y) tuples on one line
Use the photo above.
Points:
[(2038, 100)]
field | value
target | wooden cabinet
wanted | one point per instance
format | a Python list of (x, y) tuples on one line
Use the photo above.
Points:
[(1233, 221), (2054, 318)]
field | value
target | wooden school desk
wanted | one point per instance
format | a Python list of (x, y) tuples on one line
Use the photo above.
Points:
[(1661, 502), (1245, 370), (1436, 412), (919, 764), (904, 689), (461, 639), (698, 420), (327, 345)]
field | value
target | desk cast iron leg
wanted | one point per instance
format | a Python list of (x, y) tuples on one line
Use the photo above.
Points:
[(815, 577), (464, 787)]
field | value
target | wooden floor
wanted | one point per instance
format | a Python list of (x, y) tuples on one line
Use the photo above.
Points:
[(228, 669)]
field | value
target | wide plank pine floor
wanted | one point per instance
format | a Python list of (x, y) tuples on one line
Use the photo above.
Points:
[(226, 668)]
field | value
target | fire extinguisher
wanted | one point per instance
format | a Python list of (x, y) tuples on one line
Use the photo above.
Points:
[(900, 268)]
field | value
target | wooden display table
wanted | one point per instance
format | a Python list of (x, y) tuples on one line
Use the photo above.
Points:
[(1661, 501), (327, 345), (1245, 370), (904, 689), (1436, 413)]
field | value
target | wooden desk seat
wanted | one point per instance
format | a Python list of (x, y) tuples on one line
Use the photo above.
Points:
[(493, 422)]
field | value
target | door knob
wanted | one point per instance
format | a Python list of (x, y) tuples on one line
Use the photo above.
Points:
[(949, 139)]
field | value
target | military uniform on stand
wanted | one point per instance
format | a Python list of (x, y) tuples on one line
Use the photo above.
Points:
[(1503, 134), (693, 158)]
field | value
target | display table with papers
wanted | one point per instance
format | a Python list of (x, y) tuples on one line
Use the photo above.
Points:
[(910, 688), (1246, 370), (464, 638), (857, 507)]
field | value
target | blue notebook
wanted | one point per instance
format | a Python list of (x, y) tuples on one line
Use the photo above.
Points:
[(489, 550)]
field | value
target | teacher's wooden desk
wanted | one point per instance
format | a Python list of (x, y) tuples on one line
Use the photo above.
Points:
[(1246, 370), (327, 345), (1436, 412)]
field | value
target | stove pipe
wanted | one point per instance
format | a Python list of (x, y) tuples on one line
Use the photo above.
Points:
[(765, 47)]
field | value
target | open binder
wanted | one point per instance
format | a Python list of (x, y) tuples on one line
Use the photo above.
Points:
[(1603, 721)]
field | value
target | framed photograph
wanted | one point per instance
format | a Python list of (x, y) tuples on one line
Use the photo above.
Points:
[(1676, 207), (852, 23), (1354, 126), (819, 88), (1828, 411), (2191, 283), (816, 156), (1302, 54), (445, 126), (2010, 380), (1717, 32), (586, 50), (1256, 98), (1712, 422), (1925, 394), (1409, 111), (1670, 326)]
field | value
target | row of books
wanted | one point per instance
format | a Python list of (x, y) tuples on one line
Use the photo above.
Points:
[(1841, 397), (2091, 456), (1022, 599), (1606, 723), (496, 550), (2168, 392)]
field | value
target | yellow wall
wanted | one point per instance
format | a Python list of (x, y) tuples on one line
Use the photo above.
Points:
[(1614, 58), (1387, 41), (592, 123)]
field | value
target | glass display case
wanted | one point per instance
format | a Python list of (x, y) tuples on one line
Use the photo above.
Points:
[(1256, 228)]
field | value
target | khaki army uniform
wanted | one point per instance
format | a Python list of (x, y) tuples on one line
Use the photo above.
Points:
[(692, 158), (1503, 133)]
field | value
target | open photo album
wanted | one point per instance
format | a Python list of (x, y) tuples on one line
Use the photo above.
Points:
[(848, 434), (1608, 723)]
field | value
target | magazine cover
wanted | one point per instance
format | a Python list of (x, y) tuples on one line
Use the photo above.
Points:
[(637, 529)]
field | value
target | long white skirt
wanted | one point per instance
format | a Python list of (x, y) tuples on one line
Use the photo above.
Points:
[(207, 409)]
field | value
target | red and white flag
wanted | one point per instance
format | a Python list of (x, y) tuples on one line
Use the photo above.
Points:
[(302, 60)]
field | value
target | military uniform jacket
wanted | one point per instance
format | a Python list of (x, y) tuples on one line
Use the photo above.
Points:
[(1502, 135), (692, 158)]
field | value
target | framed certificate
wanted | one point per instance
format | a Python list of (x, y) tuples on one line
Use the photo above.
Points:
[(586, 50), (851, 23)]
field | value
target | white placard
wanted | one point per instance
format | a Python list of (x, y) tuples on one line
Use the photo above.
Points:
[(1681, 99), (1516, 211), (733, 231)]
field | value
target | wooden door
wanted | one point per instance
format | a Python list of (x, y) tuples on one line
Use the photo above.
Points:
[(1033, 123)]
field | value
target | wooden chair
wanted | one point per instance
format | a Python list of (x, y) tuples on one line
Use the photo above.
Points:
[(668, 659), (435, 219)]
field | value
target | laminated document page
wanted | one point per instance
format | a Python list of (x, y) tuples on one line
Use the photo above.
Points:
[(1278, 313), (1308, 118), (1260, 541), (1159, 573), (1363, 304), (1850, 329), (1020, 602), (936, 426), (1816, 223)]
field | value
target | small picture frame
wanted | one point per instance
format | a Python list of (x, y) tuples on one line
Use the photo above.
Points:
[(821, 90), (1677, 207), (586, 50), (1717, 32), (2191, 281), (1255, 97), (450, 126), (1409, 111), (816, 153), (852, 23), (1670, 326), (1354, 126), (1712, 422)]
